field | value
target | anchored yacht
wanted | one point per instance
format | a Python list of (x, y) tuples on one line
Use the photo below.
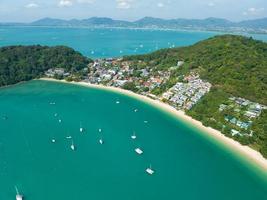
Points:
[(133, 136), (18, 196), (72, 146)]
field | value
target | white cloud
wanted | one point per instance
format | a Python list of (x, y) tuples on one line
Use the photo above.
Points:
[(86, 1), (211, 4), (254, 11), (124, 4), (65, 3), (32, 5), (160, 5)]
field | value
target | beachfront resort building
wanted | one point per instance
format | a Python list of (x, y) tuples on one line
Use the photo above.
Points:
[(56, 72), (185, 95), (240, 114)]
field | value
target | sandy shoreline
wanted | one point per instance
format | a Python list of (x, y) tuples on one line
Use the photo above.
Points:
[(248, 153)]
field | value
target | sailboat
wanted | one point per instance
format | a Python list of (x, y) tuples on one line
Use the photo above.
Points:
[(150, 171), (81, 128), (133, 136), (18, 196), (72, 146), (101, 141)]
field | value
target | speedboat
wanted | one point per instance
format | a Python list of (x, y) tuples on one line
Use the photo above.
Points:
[(150, 171), (139, 151)]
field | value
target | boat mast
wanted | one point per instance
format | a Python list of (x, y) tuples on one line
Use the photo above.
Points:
[(17, 191)]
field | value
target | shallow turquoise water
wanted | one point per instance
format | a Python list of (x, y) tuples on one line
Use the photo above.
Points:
[(186, 164), (104, 42)]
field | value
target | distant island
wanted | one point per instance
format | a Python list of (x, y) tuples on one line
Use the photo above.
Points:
[(220, 81), (209, 24)]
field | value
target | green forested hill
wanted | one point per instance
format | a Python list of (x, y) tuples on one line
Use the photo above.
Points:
[(236, 64), (22, 63)]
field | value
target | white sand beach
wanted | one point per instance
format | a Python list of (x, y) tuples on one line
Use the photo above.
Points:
[(251, 155)]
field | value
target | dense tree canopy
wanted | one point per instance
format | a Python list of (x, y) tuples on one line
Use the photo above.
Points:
[(22, 63)]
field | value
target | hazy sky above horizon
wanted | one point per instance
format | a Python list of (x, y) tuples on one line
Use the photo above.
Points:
[(30, 10)]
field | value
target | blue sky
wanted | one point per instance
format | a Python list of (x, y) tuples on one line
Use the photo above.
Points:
[(30, 10)]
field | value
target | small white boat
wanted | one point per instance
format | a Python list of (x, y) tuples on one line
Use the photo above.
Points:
[(133, 136), (55, 114), (68, 137), (72, 146), (139, 151), (53, 141), (18, 196), (100, 130), (59, 120), (145, 122), (81, 128), (101, 141), (150, 171), (52, 103), (117, 102), (136, 110)]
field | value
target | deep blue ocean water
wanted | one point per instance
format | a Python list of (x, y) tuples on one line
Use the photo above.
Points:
[(110, 42)]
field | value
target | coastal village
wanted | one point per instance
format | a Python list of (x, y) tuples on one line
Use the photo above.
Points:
[(114, 72), (237, 113)]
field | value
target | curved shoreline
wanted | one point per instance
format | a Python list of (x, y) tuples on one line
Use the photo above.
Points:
[(251, 155)]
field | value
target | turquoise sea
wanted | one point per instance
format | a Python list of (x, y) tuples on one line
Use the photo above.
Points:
[(97, 43), (187, 165)]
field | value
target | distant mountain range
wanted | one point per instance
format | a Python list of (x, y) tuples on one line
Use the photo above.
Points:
[(214, 24)]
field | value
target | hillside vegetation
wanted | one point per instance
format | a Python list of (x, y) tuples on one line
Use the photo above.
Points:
[(22, 63), (236, 64)]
